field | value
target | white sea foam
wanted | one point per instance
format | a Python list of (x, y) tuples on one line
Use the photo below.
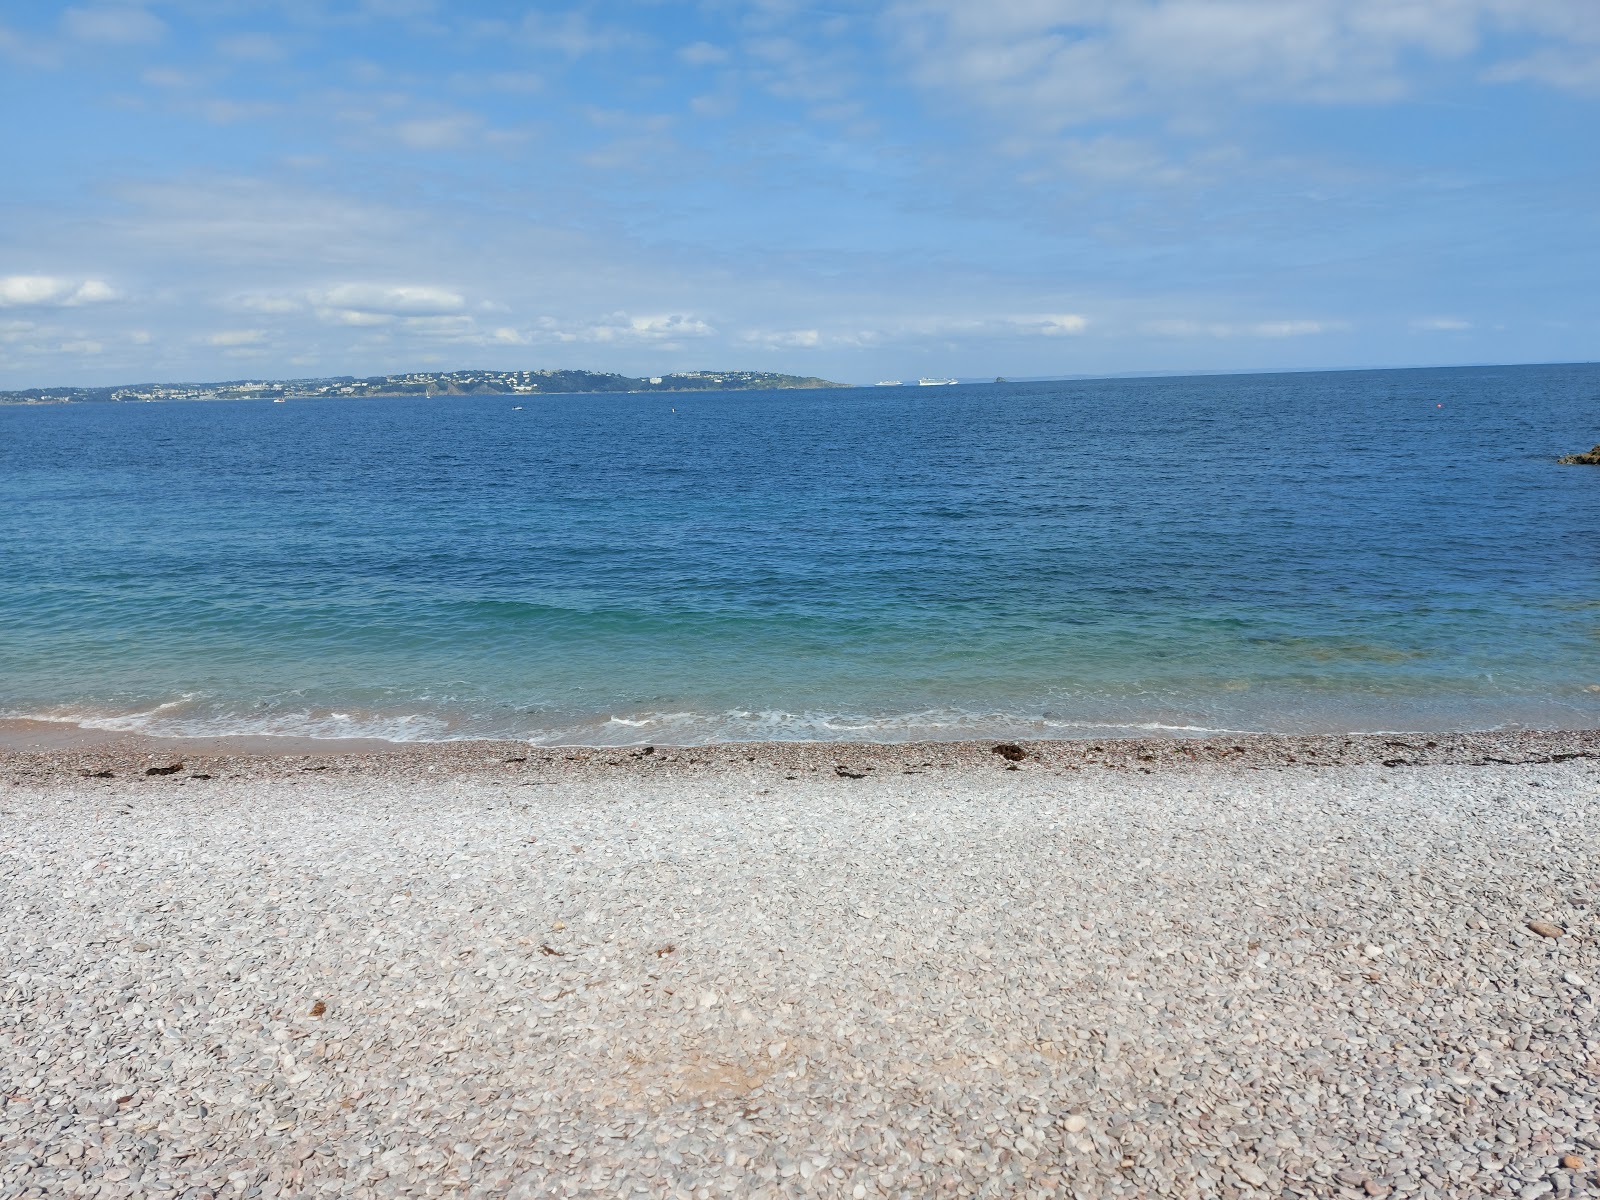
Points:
[(185, 719), (739, 725), (195, 716)]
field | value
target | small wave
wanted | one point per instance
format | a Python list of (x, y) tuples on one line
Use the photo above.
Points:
[(422, 720), (1150, 726), (743, 725), (184, 719), (135, 721)]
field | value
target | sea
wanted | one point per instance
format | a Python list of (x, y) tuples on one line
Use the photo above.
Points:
[(1388, 550)]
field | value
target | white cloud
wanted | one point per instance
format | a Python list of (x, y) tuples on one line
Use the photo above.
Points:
[(1225, 329), (703, 54), (171, 77), (400, 9), (92, 291), (410, 300), (1279, 329), (1061, 324), (1441, 324), (1115, 161), (618, 327), (510, 82), (714, 105), (265, 303), (629, 153), (226, 112), (914, 329), (252, 47), (1571, 69), (440, 326), (642, 139), (237, 337), (26, 51), (784, 338), (574, 35), (422, 309), (252, 229), (1050, 64), (628, 122), (50, 291), (797, 69), (436, 133), (353, 316), (674, 325), (119, 24)]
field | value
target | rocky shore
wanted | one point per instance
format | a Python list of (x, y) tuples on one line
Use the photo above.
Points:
[(1252, 967)]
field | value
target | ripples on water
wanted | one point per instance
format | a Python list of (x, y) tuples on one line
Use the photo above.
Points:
[(1286, 552)]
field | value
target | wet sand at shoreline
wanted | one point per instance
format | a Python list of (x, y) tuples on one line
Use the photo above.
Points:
[(42, 748)]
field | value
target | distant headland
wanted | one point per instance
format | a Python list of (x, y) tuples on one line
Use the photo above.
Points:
[(420, 383)]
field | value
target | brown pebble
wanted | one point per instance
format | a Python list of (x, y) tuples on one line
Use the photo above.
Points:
[(1545, 929), (1572, 1162), (318, 1009)]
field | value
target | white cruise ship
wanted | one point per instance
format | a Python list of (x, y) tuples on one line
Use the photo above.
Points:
[(888, 383), (934, 382)]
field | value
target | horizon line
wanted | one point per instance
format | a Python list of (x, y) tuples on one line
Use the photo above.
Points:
[(1138, 373)]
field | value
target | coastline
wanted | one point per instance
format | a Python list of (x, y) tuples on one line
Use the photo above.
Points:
[(42, 749)]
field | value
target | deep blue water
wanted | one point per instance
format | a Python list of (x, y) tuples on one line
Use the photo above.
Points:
[(1343, 551)]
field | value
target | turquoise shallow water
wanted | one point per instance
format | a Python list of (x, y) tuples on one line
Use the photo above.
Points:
[(1309, 552)]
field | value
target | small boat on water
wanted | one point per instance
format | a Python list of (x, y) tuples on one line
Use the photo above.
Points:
[(934, 382), (277, 400)]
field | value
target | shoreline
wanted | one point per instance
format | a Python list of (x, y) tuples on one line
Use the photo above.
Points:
[(37, 749)]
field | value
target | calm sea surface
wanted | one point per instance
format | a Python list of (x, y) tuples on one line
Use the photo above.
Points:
[(1324, 552)]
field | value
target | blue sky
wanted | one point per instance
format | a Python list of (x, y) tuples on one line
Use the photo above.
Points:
[(210, 189)]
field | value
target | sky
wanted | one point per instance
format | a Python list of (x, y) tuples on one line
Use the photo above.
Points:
[(227, 189)]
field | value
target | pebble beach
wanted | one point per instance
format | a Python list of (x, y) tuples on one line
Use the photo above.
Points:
[(1318, 967)]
